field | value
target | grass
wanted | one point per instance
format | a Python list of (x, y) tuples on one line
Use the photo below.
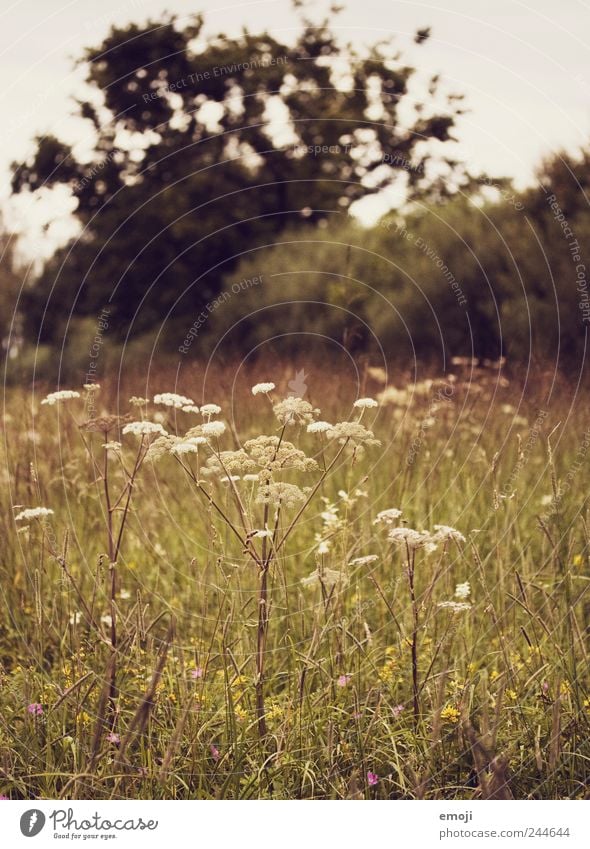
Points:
[(158, 673)]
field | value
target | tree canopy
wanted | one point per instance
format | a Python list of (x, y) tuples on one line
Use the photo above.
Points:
[(208, 147)]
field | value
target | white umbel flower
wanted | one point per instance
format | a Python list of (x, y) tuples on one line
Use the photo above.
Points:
[(208, 410), (213, 428), (319, 427), (144, 429), (191, 408), (446, 533), (365, 403), (112, 446), (33, 513), (463, 591), (263, 388), (364, 561), (188, 446), (62, 395), (170, 399), (411, 539), (387, 517)]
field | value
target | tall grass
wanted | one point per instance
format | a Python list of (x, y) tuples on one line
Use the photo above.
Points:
[(170, 634)]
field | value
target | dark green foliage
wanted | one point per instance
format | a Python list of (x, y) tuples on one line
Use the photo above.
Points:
[(160, 228)]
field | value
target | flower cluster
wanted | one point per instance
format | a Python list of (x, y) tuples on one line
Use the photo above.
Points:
[(63, 395), (170, 399)]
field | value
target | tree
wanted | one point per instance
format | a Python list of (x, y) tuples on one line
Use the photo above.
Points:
[(203, 153)]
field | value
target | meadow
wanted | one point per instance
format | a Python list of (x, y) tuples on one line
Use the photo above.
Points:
[(320, 589)]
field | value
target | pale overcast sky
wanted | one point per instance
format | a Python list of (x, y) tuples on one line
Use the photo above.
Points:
[(523, 66)]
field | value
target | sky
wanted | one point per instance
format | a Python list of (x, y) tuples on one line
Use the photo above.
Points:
[(524, 68)]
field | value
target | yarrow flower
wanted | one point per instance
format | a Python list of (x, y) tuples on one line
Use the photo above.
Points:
[(363, 561), (91, 387), (387, 517), (446, 533), (411, 539), (188, 446), (213, 428), (463, 591), (263, 388), (272, 454), (62, 395), (170, 399), (33, 513), (294, 410), (138, 402), (144, 429), (208, 410), (365, 403), (280, 494), (112, 446), (35, 709), (354, 432), (191, 408), (319, 427)]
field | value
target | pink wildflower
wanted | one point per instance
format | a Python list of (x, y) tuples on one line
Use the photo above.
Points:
[(343, 680), (35, 709), (214, 752), (397, 710), (113, 738), (372, 778), (197, 673)]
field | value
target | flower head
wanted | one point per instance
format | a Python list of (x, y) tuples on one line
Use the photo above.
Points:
[(170, 399), (372, 778), (446, 533), (144, 429), (113, 738), (62, 395), (33, 513), (294, 410), (319, 427), (355, 432), (91, 387), (387, 517), (191, 408), (411, 539), (365, 403), (364, 561), (188, 446), (208, 410), (210, 429), (263, 388), (342, 680), (280, 494), (35, 709), (463, 591)]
